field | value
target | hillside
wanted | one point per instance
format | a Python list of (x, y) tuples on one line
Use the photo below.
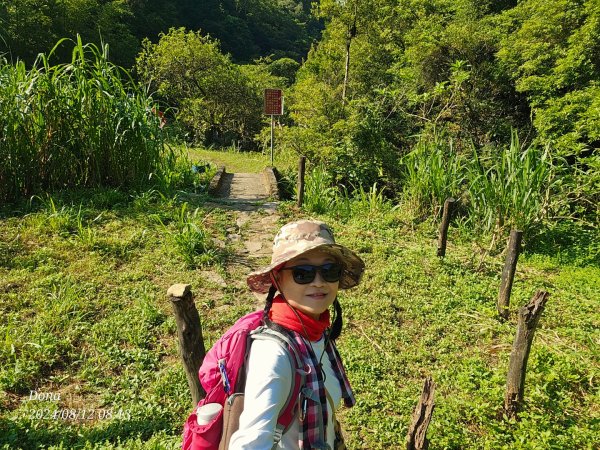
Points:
[(247, 30)]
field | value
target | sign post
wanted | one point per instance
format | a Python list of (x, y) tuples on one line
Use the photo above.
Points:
[(273, 106)]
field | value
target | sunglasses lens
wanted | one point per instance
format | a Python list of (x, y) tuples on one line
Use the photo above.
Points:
[(331, 272), (304, 274)]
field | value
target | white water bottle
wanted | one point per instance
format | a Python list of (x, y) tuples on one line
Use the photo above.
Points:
[(207, 412)]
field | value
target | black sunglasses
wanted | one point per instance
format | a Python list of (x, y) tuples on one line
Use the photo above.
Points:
[(306, 273)]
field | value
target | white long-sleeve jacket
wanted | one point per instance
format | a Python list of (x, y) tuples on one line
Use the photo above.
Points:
[(268, 382)]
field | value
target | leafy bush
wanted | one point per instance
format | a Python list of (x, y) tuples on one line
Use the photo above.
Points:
[(217, 101)]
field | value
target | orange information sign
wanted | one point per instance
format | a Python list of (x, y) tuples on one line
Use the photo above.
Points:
[(273, 102)]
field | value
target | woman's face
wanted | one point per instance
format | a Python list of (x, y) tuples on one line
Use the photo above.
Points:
[(312, 298)]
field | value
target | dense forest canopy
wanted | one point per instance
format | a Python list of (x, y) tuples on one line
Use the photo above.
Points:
[(247, 30), (387, 74)]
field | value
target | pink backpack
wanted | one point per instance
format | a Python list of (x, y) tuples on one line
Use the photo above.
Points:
[(222, 376)]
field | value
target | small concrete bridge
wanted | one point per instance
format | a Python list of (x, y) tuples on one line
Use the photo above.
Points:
[(245, 189)]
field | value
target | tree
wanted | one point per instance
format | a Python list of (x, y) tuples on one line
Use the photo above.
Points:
[(552, 51), (215, 99), (26, 27), (247, 30), (419, 67)]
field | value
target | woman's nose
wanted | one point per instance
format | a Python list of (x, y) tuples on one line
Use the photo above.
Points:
[(319, 280)]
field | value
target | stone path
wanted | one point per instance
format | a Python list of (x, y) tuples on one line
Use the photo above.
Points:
[(256, 222)]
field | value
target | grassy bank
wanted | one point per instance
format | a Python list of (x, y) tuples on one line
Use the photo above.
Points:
[(83, 279), (416, 315), (236, 161)]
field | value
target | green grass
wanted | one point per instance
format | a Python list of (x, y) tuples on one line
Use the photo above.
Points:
[(84, 315), (416, 315), (243, 162), (83, 278)]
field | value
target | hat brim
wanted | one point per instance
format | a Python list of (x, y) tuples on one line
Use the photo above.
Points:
[(260, 280)]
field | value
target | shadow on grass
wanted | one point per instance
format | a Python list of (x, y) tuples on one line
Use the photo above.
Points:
[(124, 202), (568, 243), (21, 435)]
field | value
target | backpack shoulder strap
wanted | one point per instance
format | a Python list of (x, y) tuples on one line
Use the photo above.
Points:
[(288, 412)]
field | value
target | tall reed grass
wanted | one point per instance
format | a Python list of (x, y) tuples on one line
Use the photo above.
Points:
[(83, 123), (319, 195), (432, 172), (510, 188), (503, 188)]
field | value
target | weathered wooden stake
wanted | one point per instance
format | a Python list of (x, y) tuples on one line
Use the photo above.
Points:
[(529, 316), (416, 438), (448, 206), (189, 333), (508, 273), (301, 170)]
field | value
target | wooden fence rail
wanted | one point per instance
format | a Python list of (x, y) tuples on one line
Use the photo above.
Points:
[(301, 172)]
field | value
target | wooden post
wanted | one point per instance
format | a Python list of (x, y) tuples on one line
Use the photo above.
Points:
[(508, 273), (529, 317), (416, 438), (189, 333), (448, 206), (301, 170)]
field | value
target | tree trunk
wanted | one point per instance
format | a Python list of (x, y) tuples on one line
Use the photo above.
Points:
[(350, 35), (346, 70)]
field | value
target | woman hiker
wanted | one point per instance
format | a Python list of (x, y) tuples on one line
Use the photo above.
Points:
[(307, 269)]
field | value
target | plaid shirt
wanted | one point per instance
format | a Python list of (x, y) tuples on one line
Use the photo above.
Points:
[(314, 399)]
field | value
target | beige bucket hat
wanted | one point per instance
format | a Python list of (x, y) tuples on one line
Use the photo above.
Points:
[(296, 238)]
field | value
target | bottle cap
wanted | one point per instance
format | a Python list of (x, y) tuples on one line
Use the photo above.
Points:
[(207, 412)]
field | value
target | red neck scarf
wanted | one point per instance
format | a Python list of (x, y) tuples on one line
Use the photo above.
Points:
[(282, 313)]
